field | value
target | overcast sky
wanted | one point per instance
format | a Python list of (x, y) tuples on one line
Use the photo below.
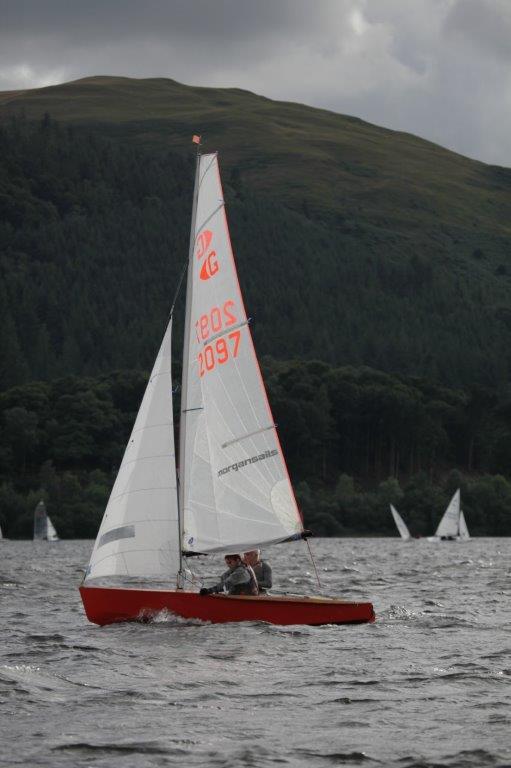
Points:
[(438, 68)]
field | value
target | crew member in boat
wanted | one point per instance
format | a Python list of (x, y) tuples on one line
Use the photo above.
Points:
[(239, 579), (261, 568)]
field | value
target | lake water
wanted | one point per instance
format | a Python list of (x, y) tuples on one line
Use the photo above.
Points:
[(429, 684)]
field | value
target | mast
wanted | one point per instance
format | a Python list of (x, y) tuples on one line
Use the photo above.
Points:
[(186, 353)]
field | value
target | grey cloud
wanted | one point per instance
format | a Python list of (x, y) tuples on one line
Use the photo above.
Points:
[(483, 23), (436, 68), (111, 20)]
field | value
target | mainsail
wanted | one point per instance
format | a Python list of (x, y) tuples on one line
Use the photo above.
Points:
[(235, 492), (400, 524), (449, 524), (139, 532)]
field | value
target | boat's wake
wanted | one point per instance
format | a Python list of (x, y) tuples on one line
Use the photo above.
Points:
[(168, 617)]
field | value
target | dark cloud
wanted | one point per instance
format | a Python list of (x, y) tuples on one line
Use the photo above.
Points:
[(165, 20), (436, 68)]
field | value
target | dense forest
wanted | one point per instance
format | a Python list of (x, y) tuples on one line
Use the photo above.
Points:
[(356, 440), (94, 233), (386, 354)]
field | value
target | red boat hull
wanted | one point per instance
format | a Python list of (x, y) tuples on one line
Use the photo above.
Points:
[(105, 605)]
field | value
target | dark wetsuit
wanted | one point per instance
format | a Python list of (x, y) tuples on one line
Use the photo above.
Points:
[(238, 581)]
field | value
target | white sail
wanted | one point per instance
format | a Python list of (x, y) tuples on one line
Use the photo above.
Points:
[(464, 534), (400, 524), (40, 522), (235, 489), (449, 524), (51, 533), (139, 532)]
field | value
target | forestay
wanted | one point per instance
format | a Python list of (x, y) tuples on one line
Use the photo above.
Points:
[(449, 524), (235, 489), (139, 532)]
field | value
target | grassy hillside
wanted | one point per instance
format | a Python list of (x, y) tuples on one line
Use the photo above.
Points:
[(366, 245), (337, 164)]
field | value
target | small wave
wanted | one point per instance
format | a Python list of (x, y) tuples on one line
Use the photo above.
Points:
[(111, 749), (337, 757), (476, 758), (347, 700)]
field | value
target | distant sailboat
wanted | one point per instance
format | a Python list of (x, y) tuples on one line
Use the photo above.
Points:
[(452, 526), (400, 524), (43, 526), (232, 492), (464, 535)]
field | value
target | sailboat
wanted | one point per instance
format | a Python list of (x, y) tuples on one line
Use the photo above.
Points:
[(43, 526), (232, 492), (400, 524), (452, 526)]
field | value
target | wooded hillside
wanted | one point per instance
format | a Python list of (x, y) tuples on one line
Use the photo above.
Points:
[(376, 269)]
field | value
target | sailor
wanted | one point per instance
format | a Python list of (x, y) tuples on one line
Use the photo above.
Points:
[(238, 580), (261, 568)]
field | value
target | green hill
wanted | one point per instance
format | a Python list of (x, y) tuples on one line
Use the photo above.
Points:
[(355, 244)]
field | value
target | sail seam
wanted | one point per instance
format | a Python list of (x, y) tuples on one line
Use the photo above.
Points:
[(145, 458), (141, 490), (225, 331), (137, 522), (199, 229), (153, 426), (250, 434), (213, 158)]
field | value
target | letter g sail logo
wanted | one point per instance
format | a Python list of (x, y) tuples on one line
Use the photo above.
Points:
[(209, 266)]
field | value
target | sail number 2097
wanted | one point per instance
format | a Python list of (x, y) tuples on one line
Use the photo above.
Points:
[(219, 351)]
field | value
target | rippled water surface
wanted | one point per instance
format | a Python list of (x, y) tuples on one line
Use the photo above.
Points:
[(429, 684)]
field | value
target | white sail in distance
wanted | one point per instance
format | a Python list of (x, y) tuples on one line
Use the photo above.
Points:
[(235, 489), (450, 522), (139, 532), (400, 524), (51, 533), (464, 534), (43, 527)]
